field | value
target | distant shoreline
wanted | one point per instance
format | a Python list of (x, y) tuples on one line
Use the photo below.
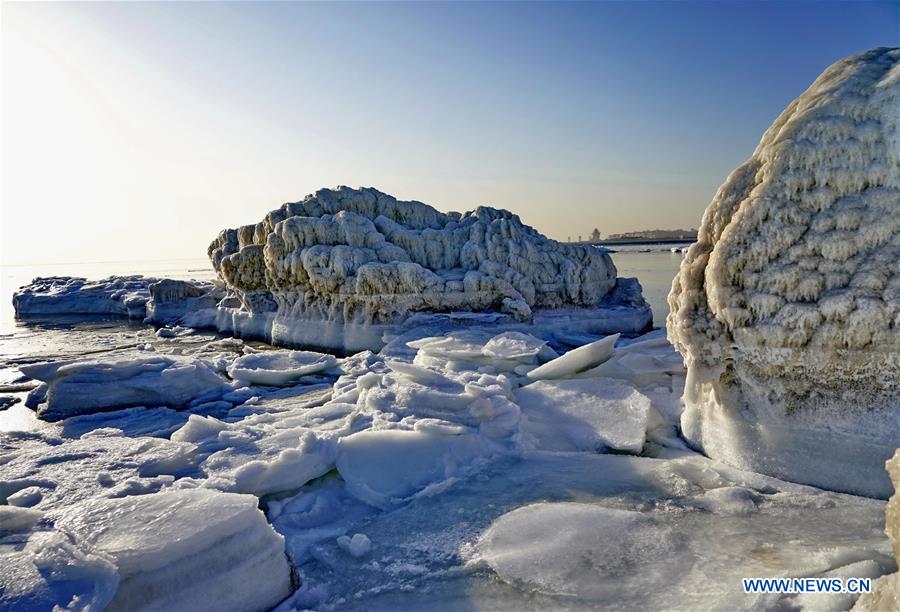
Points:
[(637, 242)]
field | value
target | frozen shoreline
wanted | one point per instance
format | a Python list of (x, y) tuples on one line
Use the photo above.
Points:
[(329, 455)]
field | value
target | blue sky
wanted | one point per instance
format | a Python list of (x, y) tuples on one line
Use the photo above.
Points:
[(139, 130)]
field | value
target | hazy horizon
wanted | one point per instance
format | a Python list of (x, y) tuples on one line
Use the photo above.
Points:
[(137, 131)]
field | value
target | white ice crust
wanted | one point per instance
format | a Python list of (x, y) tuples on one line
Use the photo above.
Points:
[(787, 307)]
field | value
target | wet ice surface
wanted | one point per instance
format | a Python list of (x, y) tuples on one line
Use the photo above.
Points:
[(467, 549), (437, 475)]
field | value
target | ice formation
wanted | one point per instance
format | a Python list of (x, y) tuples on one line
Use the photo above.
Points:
[(622, 553), (167, 550), (345, 260), (62, 295), (577, 360), (584, 549), (443, 432), (171, 299), (136, 297), (93, 385), (593, 414), (787, 307), (279, 368), (885, 593)]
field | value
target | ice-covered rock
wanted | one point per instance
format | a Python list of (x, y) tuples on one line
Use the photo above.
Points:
[(345, 260), (95, 385), (278, 368), (885, 593), (787, 307), (65, 295), (181, 549)]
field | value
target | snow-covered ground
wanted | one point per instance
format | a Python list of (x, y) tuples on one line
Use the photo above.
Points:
[(462, 466)]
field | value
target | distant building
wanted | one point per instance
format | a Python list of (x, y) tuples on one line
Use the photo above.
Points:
[(657, 234)]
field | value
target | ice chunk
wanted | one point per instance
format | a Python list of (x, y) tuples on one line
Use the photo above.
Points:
[(290, 469), (198, 428), (458, 345), (279, 368), (269, 447), (176, 550), (172, 299), (358, 546), (95, 385), (45, 570), (14, 518), (29, 496), (421, 375), (385, 466), (591, 415), (514, 346), (582, 550), (786, 308), (117, 295), (577, 360)]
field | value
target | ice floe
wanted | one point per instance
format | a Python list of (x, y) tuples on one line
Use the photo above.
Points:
[(278, 368), (93, 385), (167, 550), (592, 414)]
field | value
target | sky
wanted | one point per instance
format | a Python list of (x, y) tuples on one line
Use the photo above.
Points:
[(136, 131)]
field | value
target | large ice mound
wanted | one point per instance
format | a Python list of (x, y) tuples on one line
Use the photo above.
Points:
[(354, 258), (787, 307)]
